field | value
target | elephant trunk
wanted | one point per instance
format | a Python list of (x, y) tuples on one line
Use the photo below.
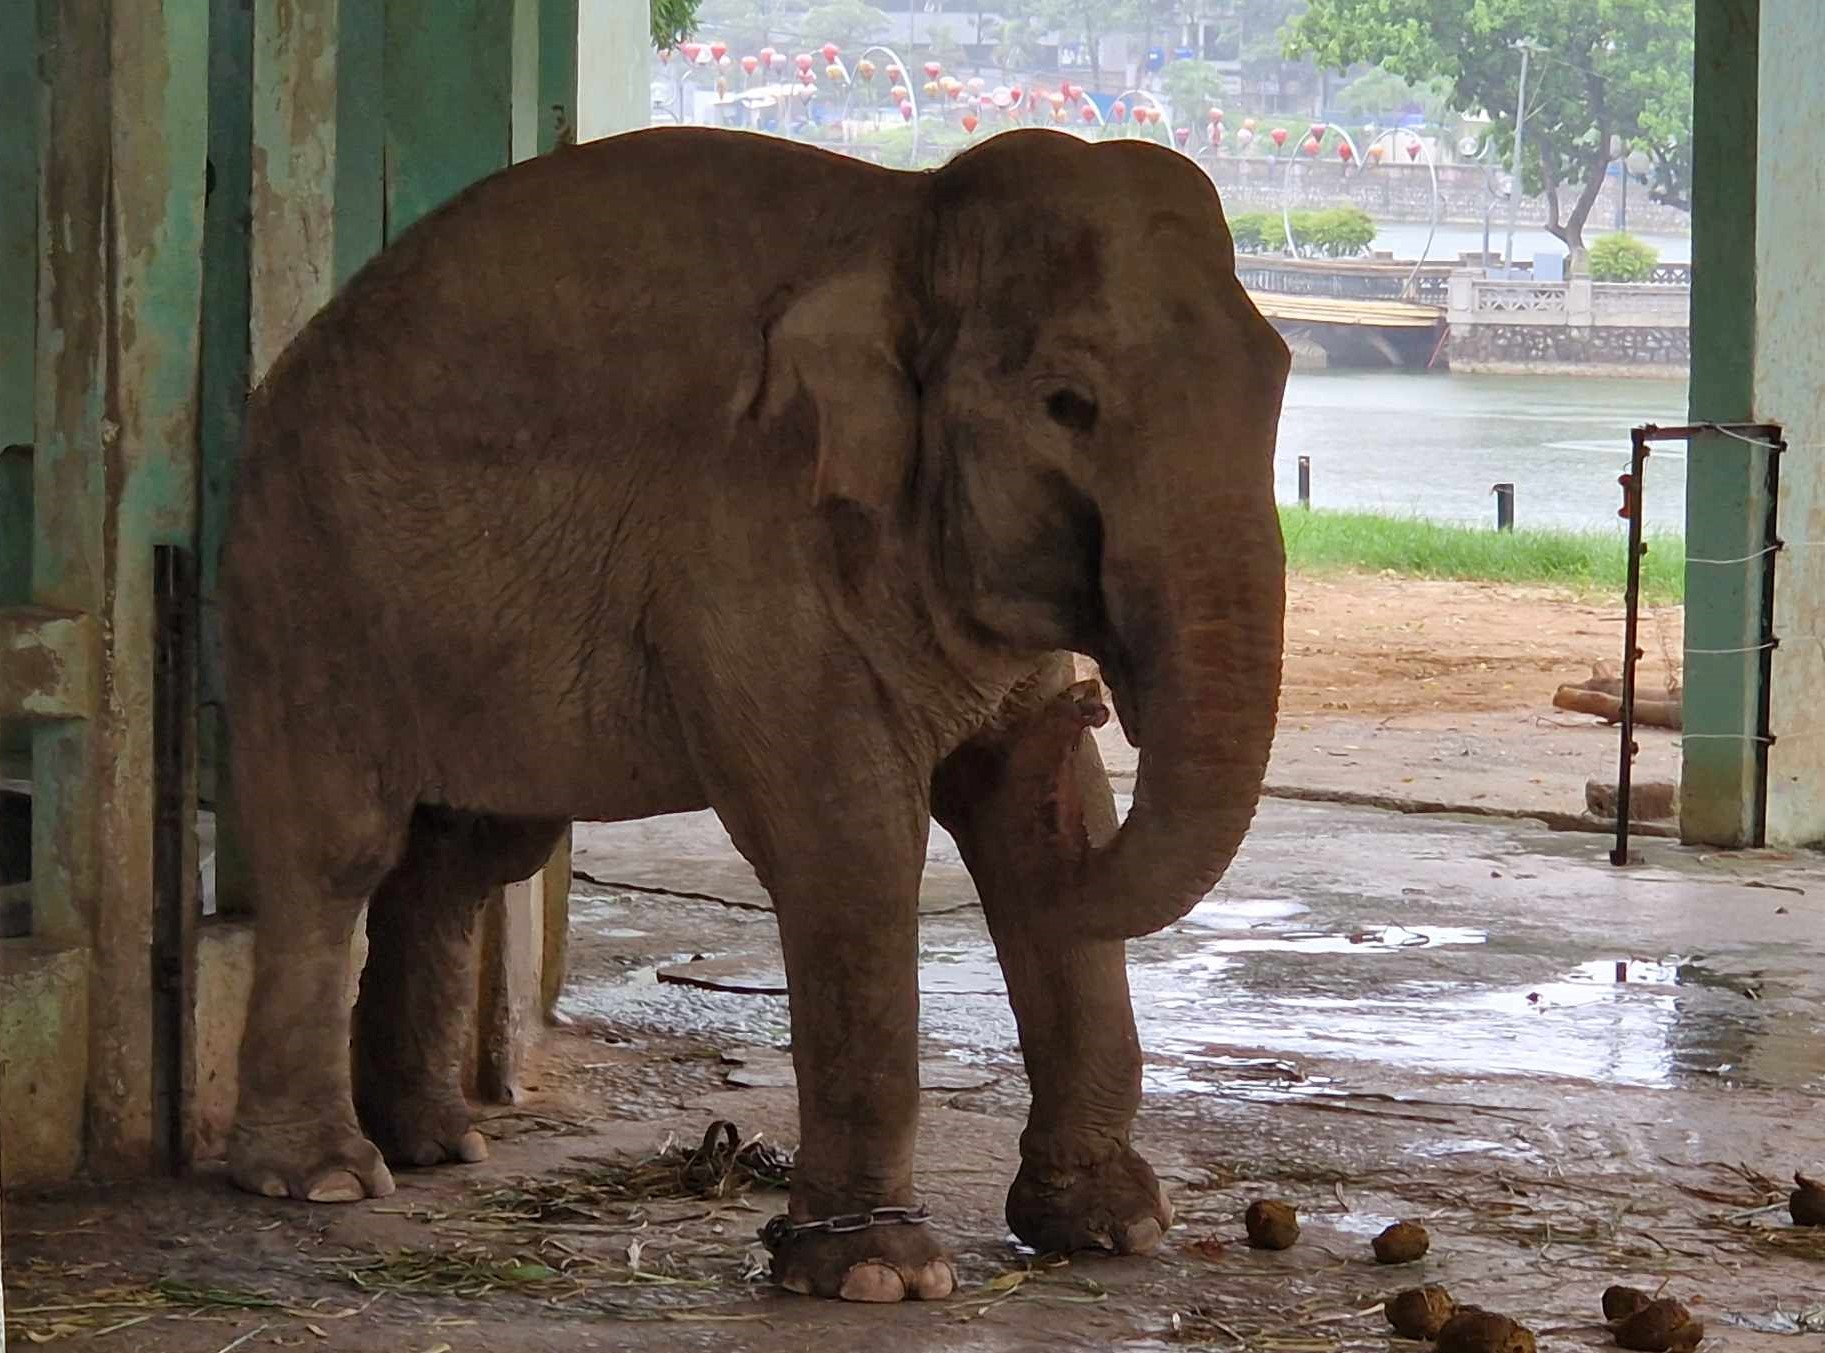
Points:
[(1194, 662)]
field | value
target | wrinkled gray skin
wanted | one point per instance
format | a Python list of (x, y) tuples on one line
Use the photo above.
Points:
[(691, 468)]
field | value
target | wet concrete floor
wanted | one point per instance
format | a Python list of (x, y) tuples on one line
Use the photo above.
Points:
[(1574, 1075)]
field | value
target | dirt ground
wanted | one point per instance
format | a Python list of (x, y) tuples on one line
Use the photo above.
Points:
[(1573, 1075)]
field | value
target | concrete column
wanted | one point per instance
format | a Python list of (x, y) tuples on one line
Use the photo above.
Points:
[(614, 62), (1580, 310), (1726, 502), (1789, 333)]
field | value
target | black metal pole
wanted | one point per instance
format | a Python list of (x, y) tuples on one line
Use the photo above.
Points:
[(1771, 542), (1631, 652), (1305, 482), (1504, 507)]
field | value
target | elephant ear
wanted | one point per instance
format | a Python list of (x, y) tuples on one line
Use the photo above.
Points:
[(839, 347)]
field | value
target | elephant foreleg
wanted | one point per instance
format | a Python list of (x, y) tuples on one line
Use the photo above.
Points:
[(1024, 802), (837, 836)]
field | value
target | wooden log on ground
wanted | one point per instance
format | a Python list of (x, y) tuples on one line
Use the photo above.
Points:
[(1652, 709)]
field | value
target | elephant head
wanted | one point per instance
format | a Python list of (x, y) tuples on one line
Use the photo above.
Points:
[(1069, 402)]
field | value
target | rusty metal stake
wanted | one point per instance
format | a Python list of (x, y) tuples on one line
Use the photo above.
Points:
[(1767, 436), (1631, 652)]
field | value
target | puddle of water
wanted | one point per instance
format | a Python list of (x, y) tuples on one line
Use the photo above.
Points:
[(1370, 940), (1224, 913)]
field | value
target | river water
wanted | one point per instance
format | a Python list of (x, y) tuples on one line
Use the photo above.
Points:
[(1432, 444)]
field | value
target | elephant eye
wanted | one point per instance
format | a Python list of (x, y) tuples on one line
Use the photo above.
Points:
[(1071, 408)]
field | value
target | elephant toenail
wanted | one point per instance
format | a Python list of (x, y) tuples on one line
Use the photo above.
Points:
[(473, 1148), (339, 1187), (1143, 1237), (936, 1281), (872, 1281)]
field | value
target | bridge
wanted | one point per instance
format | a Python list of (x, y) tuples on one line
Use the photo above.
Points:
[(1349, 312)]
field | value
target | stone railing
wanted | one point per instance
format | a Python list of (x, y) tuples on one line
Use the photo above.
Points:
[(1474, 299), (1344, 280)]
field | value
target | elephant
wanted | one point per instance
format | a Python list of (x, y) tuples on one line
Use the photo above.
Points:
[(697, 469)]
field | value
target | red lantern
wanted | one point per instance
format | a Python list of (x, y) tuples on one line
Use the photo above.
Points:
[(1181, 135), (1074, 92), (749, 64), (1376, 151), (768, 56), (830, 49), (1344, 152), (1216, 114), (934, 69), (718, 50), (1279, 136), (865, 68), (803, 61), (906, 111), (1089, 112), (897, 93), (1413, 150), (895, 74), (1118, 111), (971, 122), (1318, 130), (1309, 146), (1014, 96), (691, 50), (931, 89)]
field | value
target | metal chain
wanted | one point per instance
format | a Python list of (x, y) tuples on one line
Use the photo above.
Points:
[(782, 1228)]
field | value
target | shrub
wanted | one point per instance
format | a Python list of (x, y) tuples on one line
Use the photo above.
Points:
[(1622, 258), (1338, 232), (1256, 232)]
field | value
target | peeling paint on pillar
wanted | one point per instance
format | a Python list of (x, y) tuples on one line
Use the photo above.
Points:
[(294, 160)]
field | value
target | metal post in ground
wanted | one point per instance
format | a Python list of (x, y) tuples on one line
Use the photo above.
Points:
[(1504, 506), (1305, 482), (1631, 651)]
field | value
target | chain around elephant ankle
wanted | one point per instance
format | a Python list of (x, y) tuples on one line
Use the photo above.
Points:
[(782, 1228)]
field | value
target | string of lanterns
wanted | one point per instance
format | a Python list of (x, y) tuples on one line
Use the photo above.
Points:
[(973, 100)]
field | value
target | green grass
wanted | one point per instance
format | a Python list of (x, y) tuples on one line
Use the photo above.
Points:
[(1592, 563)]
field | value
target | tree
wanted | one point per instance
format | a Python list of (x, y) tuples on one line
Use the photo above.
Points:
[(1085, 21), (1193, 88), (850, 24), (673, 21), (1619, 71), (749, 25)]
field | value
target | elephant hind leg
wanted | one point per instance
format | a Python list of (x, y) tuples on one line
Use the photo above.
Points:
[(413, 1020), (1024, 801), (318, 835)]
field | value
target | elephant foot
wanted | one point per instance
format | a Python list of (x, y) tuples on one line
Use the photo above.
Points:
[(881, 1263), (313, 1162), (1115, 1204), (418, 1131)]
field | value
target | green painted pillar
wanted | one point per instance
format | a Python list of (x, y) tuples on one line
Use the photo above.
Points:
[(1758, 309), (18, 288), (559, 22), (115, 472), (448, 100), (1726, 505)]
